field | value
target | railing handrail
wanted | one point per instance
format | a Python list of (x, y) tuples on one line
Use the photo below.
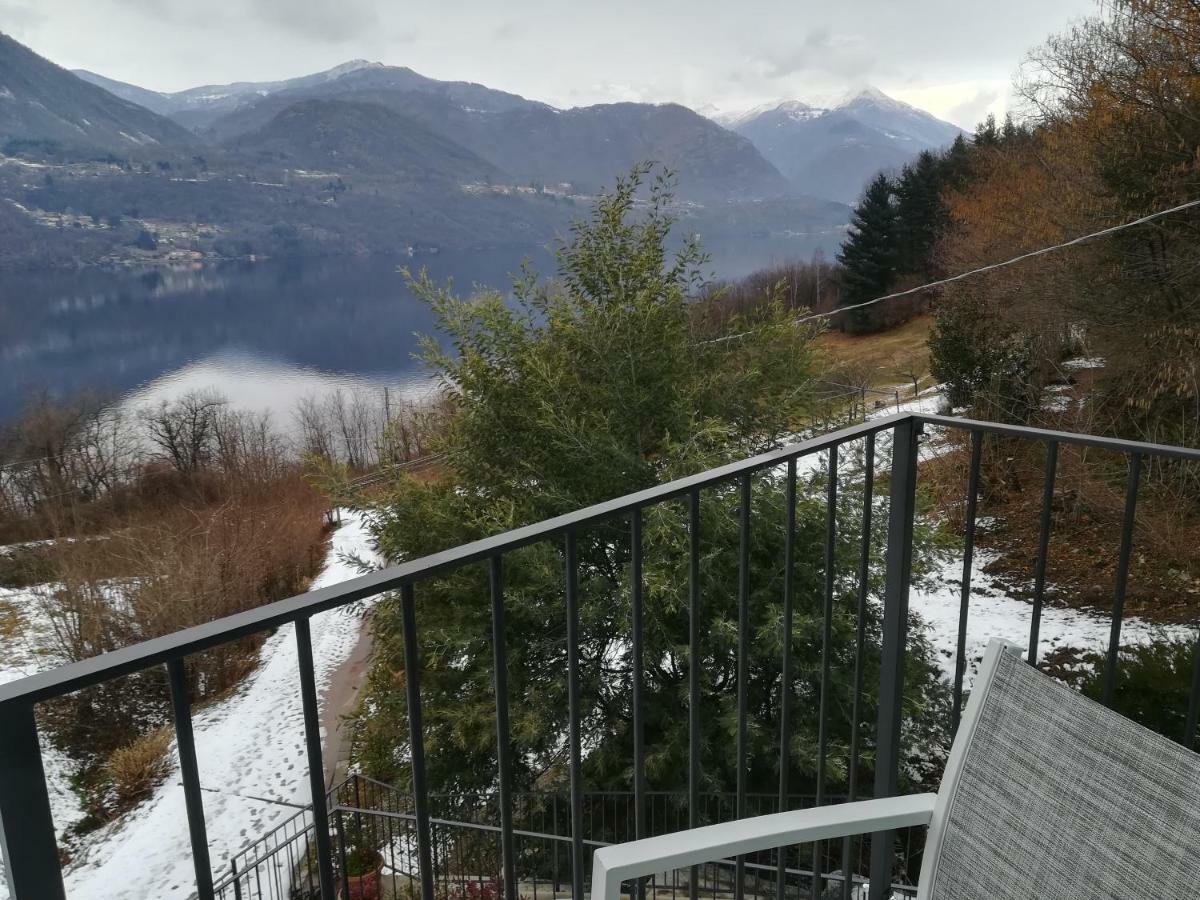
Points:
[(1062, 437), (136, 657)]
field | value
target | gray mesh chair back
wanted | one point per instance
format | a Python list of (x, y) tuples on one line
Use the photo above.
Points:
[(1048, 794)]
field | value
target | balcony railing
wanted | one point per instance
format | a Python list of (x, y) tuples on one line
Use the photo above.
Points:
[(27, 830)]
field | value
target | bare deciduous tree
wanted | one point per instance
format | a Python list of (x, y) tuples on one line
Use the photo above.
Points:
[(185, 430)]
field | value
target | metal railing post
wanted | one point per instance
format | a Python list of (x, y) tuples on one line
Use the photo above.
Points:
[(416, 741), (189, 771), (575, 713), (694, 662), (503, 738), (785, 684), (901, 518), (316, 767), (27, 839)]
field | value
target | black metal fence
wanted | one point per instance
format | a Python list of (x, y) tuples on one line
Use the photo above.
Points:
[(464, 836), (29, 844)]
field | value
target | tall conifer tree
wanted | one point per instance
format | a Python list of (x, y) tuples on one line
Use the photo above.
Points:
[(868, 256)]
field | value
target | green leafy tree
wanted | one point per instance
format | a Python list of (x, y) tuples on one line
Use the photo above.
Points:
[(869, 255), (604, 381)]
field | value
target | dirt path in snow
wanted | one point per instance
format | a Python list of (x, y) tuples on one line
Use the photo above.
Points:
[(340, 699)]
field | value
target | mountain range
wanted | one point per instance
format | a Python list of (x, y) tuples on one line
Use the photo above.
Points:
[(832, 153), (364, 155), (41, 104)]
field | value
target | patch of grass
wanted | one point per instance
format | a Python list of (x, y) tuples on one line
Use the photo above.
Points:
[(886, 358), (11, 621), (25, 566), (139, 767)]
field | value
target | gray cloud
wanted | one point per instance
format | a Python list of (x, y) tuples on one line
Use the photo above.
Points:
[(694, 51), (820, 52), (18, 18), (321, 21), (974, 109), (505, 31), (406, 35)]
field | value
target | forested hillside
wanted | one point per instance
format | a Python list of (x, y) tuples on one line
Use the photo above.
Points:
[(1115, 137)]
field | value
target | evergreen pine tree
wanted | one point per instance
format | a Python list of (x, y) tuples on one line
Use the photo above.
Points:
[(956, 165), (868, 256), (919, 214), (986, 133)]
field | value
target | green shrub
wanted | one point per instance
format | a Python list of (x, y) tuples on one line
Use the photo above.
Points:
[(1153, 684)]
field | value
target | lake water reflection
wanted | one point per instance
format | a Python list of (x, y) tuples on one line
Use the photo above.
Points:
[(265, 335)]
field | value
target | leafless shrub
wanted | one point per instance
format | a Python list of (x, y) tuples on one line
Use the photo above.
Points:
[(362, 429)]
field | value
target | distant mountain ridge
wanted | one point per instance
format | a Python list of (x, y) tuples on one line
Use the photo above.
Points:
[(200, 107), (45, 106), (782, 149), (356, 138), (360, 158), (531, 141), (833, 152)]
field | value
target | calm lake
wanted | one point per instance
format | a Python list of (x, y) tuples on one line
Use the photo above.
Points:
[(265, 334)]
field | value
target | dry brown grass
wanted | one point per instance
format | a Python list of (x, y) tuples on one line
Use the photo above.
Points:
[(885, 359), (186, 562), (139, 767), (12, 623)]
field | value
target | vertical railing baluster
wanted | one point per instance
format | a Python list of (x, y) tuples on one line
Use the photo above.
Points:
[(27, 836), (316, 767), (960, 659), (864, 589), (743, 668), (785, 684), (572, 577), (503, 739), (189, 771), (341, 845), (638, 665), (694, 677), (826, 648), (416, 740), (1193, 713), (1127, 526), (901, 520), (1039, 574)]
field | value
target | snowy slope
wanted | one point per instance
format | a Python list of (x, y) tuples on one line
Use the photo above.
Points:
[(252, 762), (24, 655), (992, 613)]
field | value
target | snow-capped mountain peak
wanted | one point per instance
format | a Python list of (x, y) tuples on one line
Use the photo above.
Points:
[(353, 65), (833, 152), (872, 96), (796, 110)]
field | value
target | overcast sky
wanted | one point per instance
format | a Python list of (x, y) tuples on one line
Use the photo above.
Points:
[(955, 58)]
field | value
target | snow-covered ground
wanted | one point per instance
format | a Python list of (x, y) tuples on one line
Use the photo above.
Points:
[(253, 766), (993, 613), (24, 654)]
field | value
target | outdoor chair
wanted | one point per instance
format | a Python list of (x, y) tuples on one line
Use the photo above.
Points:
[(1046, 794)]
